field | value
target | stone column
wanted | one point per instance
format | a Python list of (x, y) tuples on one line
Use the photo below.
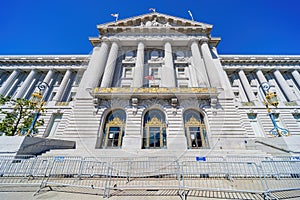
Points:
[(26, 84), (212, 71), (284, 86), (296, 76), (246, 85), (62, 86), (138, 77), (48, 76), (200, 71), (47, 80), (9, 81), (94, 71), (110, 66), (260, 76), (168, 75)]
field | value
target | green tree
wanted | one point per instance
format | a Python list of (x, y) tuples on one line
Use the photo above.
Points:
[(18, 115)]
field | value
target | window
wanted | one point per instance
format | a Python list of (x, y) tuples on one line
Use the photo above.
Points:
[(179, 55), (128, 72), (255, 125), (195, 130), (297, 118), (154, 72), (154, 54), (114, 129), (181, 71), (129, 54), (154, 134)]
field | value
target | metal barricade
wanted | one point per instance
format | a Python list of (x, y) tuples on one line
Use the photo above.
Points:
[(146, 176), (76, 175), (225, 178), (29, 172), (282, 176)]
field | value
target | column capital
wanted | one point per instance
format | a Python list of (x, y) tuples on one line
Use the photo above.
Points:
[(168, 40), (204, 40)]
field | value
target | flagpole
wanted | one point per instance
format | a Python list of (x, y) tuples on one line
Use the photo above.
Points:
[(191, 15)]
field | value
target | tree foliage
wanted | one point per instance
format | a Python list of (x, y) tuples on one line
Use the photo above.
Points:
[(18, 115)]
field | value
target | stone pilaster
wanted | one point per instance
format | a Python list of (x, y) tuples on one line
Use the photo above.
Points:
[(94, 71), (246, 85), (284, 86), (26, 84), (110, 66), (138, 77), (9, 81), (62, 86), (168, 75)]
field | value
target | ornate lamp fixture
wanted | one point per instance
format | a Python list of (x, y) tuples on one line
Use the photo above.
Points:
[(270, 98), (36, 100)]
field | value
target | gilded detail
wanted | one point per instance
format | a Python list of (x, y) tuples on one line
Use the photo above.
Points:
[(154, 90)]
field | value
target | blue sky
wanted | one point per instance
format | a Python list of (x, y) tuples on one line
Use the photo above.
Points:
[(63, 26)]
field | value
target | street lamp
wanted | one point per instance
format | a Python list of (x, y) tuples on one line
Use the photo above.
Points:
[(270, 98), (36, 100)]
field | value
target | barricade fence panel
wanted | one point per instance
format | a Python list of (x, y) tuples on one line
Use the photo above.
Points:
[(222, 176), (22, 171), (141, 175), (282, 175)]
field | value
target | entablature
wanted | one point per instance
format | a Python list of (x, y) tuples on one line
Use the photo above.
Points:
[(159, 93)]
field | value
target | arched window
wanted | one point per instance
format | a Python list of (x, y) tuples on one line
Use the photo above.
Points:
[(113, 130), (195, 129), (154, 130)]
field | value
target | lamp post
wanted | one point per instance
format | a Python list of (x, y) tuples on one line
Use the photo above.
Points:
[(270, 99), (36, 100)]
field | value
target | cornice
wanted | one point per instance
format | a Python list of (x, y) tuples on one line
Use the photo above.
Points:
[(260, 59), (44, 59)]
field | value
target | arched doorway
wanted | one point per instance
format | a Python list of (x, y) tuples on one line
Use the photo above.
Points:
[(154, 130), (195, 129)]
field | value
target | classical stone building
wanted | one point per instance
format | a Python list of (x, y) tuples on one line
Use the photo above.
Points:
[(155, 84)]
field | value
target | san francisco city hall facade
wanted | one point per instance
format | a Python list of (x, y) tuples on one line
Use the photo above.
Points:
[(156, 84)]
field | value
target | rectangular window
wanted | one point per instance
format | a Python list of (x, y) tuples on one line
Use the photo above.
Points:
[(181, 71), (154, 72), (128, 73), (297, 118), (255, 125)]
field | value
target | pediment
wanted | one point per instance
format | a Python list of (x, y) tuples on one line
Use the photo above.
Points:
[(155, 19)]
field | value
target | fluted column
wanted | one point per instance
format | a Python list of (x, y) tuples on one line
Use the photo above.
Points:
[(110, 66), (296, 76), (168, 75), (284, 86), (62, 86), (26, 84), (212, 71), (47, 80), (260, 76), (200, 71), (48, 76), (94, 71), (9, 81), (138, 77), (246, 85)]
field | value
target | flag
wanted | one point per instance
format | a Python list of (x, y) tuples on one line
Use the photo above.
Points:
[(149, 77), (152, 9), (115, 15), (190, 13)]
